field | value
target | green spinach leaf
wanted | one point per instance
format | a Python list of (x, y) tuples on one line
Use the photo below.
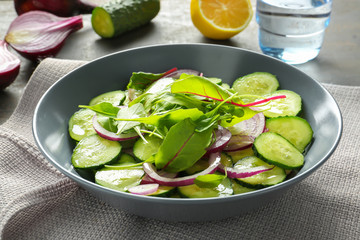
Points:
[(182, 146)]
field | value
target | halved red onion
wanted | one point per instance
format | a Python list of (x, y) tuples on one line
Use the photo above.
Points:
[(111, 135), (222, 138), (252, 127), (242, 173), (239, 142), (144, 189), (38, 34), (214, 162), (9, 65), (176, 74)]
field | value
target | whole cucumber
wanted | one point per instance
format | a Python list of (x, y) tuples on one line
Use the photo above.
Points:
[(119, 16)]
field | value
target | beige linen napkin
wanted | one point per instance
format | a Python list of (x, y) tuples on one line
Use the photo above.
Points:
[(38, 202)]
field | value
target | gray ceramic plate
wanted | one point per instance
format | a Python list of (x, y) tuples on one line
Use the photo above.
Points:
[(112, 72)]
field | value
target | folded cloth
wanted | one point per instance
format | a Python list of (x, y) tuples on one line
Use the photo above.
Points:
[(38, 202)]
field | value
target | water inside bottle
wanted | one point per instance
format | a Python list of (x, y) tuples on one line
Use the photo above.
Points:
[(292, 30)]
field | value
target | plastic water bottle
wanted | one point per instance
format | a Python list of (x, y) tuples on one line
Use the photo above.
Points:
[(292, 30)]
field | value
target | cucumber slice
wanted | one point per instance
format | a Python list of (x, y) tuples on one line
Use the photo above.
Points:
[(226, 160), (164, 191), (239, 189), (114, 97), (224, 189), (117, 17), (126, 158), (94, 151), (144, 150), (215, 80), (258, 83), (119, 179), (295, 129), (261, 180), (237, 155), (276, 150), (80, 124), (199, 166), (289, 106)]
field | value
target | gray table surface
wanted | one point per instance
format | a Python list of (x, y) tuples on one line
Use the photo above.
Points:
[(337, 63)]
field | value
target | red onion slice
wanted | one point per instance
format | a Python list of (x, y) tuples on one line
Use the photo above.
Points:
[(111, 135), (146, 179), (176, 74), (144, 189), (223, 137), (252, 127), (239, 142), (242, 173), (214, 162)]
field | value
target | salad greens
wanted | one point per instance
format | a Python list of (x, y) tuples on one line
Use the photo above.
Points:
[(191, 115)]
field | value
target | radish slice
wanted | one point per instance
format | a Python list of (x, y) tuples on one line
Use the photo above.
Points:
[(144, 189), (214, 162), (176, 74), (111, 135), (239, 142), (242, 173), (251, 127), (223, 137)]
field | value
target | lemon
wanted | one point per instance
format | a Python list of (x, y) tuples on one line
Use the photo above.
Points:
[(221, 19)]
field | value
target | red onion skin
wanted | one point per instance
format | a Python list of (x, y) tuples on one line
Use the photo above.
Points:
[(68, 25), (62, 8), (9, 73)]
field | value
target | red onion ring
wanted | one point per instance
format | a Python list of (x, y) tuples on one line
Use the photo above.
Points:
[(144, 189), (214, 162), (176, 74), (239, 142), (223, 137), (242, 173), (111, 135), (146, 179), (252, 127)]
